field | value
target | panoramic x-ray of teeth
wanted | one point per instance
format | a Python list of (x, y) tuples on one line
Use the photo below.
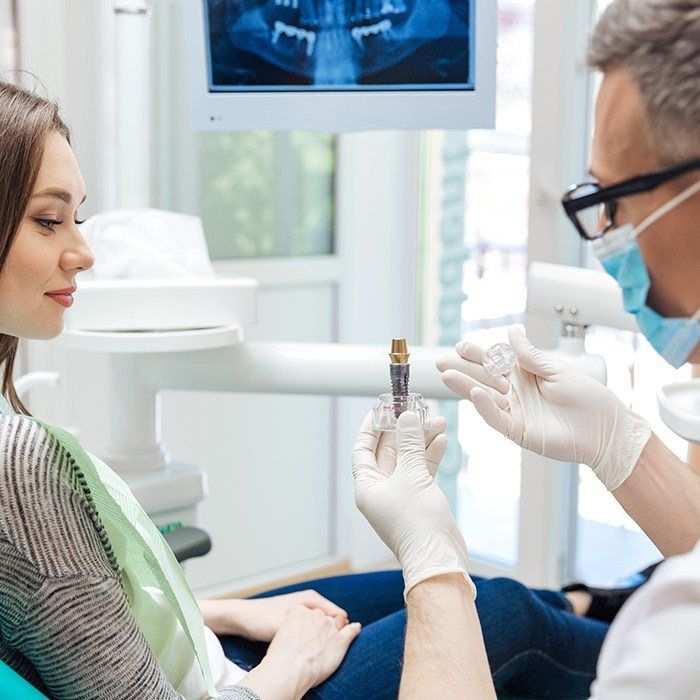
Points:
[(339, 44)]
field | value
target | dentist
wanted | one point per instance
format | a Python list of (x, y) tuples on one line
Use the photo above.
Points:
[(640, 213)]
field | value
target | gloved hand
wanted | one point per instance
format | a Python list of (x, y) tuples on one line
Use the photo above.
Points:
[(402, 502), (549, 407)]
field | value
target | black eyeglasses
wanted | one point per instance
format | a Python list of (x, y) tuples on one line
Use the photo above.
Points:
[(592, 208)]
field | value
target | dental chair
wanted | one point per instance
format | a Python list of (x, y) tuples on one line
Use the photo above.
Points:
[(186, 543)]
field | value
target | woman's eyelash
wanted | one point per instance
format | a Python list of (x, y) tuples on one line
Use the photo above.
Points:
[(48, 223)]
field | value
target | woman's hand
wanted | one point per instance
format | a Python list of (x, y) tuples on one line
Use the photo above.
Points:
[(307, 649), (260, 619), (313, 642)]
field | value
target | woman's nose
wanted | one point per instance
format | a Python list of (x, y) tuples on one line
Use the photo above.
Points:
[(79, 255)]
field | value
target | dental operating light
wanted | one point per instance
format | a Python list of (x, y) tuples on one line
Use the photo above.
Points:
[(340, 65)]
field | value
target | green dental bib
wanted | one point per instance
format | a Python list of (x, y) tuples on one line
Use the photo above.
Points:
[(134, 544)]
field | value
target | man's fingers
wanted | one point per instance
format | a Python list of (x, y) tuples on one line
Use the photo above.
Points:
[(462, 385), (474, 370), (409, 432), (364, 453), (496, 417), (529, 357), (386, 450), (435, 427), (410, 440), (435, 452), (469, 351), (367, 437)]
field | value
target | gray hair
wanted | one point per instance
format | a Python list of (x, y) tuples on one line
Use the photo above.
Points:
[(658, 42)]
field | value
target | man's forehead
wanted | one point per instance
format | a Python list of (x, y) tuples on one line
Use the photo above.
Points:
[(622, 142)]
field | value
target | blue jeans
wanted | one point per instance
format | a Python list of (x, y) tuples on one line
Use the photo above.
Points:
[(535, 645)]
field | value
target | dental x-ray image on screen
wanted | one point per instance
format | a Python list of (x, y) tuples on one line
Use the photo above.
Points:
[(341, 45)]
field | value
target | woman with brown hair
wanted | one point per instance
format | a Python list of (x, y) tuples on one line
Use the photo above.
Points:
[(77, 616)]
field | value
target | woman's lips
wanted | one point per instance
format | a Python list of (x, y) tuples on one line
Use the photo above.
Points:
[(62, 299)]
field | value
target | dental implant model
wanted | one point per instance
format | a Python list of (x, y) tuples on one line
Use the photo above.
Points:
[(499, 360), (390, 406)]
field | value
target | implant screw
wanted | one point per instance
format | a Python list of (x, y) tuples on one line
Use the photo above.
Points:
[(399, 372)]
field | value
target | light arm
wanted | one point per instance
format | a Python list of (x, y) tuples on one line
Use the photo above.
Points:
[(445, 655), (662, 495)]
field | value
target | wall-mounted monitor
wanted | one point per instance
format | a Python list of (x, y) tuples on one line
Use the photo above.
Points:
[(341, 65)]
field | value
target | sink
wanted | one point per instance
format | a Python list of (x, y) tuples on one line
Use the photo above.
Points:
[(679, 408)]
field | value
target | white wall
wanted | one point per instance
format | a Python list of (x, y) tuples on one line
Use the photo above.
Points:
[(8, 36)]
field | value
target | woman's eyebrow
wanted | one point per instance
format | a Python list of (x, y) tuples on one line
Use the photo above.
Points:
[(59, 193)]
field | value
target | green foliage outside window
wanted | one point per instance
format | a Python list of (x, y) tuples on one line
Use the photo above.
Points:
[(267, 194)]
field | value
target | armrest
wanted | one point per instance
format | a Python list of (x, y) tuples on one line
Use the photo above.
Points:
[(188, 542)]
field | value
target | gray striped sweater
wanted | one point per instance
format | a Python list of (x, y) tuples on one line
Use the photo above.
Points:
[(65, 623)]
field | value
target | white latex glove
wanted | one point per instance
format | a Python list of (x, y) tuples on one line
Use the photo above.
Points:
[(549, 407), (402, 502)]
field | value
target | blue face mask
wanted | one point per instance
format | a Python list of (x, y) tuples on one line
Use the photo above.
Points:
[(673, 338)]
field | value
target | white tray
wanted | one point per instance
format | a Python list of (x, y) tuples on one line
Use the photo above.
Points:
[(163, 305), (679, 408)]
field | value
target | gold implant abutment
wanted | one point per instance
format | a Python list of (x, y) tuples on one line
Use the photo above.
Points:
[(399, 352)]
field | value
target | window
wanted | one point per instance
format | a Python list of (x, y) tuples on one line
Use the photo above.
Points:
[(266, 194), (475, 230), (259, 194)]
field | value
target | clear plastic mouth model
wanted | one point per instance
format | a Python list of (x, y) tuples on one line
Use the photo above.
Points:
[(389, 407), (499, 360)]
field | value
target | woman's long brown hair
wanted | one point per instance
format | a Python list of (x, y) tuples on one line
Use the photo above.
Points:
[(26, 119)]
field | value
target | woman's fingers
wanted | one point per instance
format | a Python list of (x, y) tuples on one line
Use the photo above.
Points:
[(495, 416), (435, 452), (349, 632), (313, 599), (475, 370), (462, 385)]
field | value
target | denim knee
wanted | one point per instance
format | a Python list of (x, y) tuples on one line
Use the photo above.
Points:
[(509, 606)]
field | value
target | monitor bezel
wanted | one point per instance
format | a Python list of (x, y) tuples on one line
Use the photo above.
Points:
[(341, 110)]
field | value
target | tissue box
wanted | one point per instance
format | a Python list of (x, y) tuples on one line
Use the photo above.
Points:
[(162, 305)]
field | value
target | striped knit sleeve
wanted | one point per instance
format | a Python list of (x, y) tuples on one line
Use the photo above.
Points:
[(61, 604)]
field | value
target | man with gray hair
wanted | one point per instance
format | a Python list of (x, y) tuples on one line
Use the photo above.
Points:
[(640, 212)]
